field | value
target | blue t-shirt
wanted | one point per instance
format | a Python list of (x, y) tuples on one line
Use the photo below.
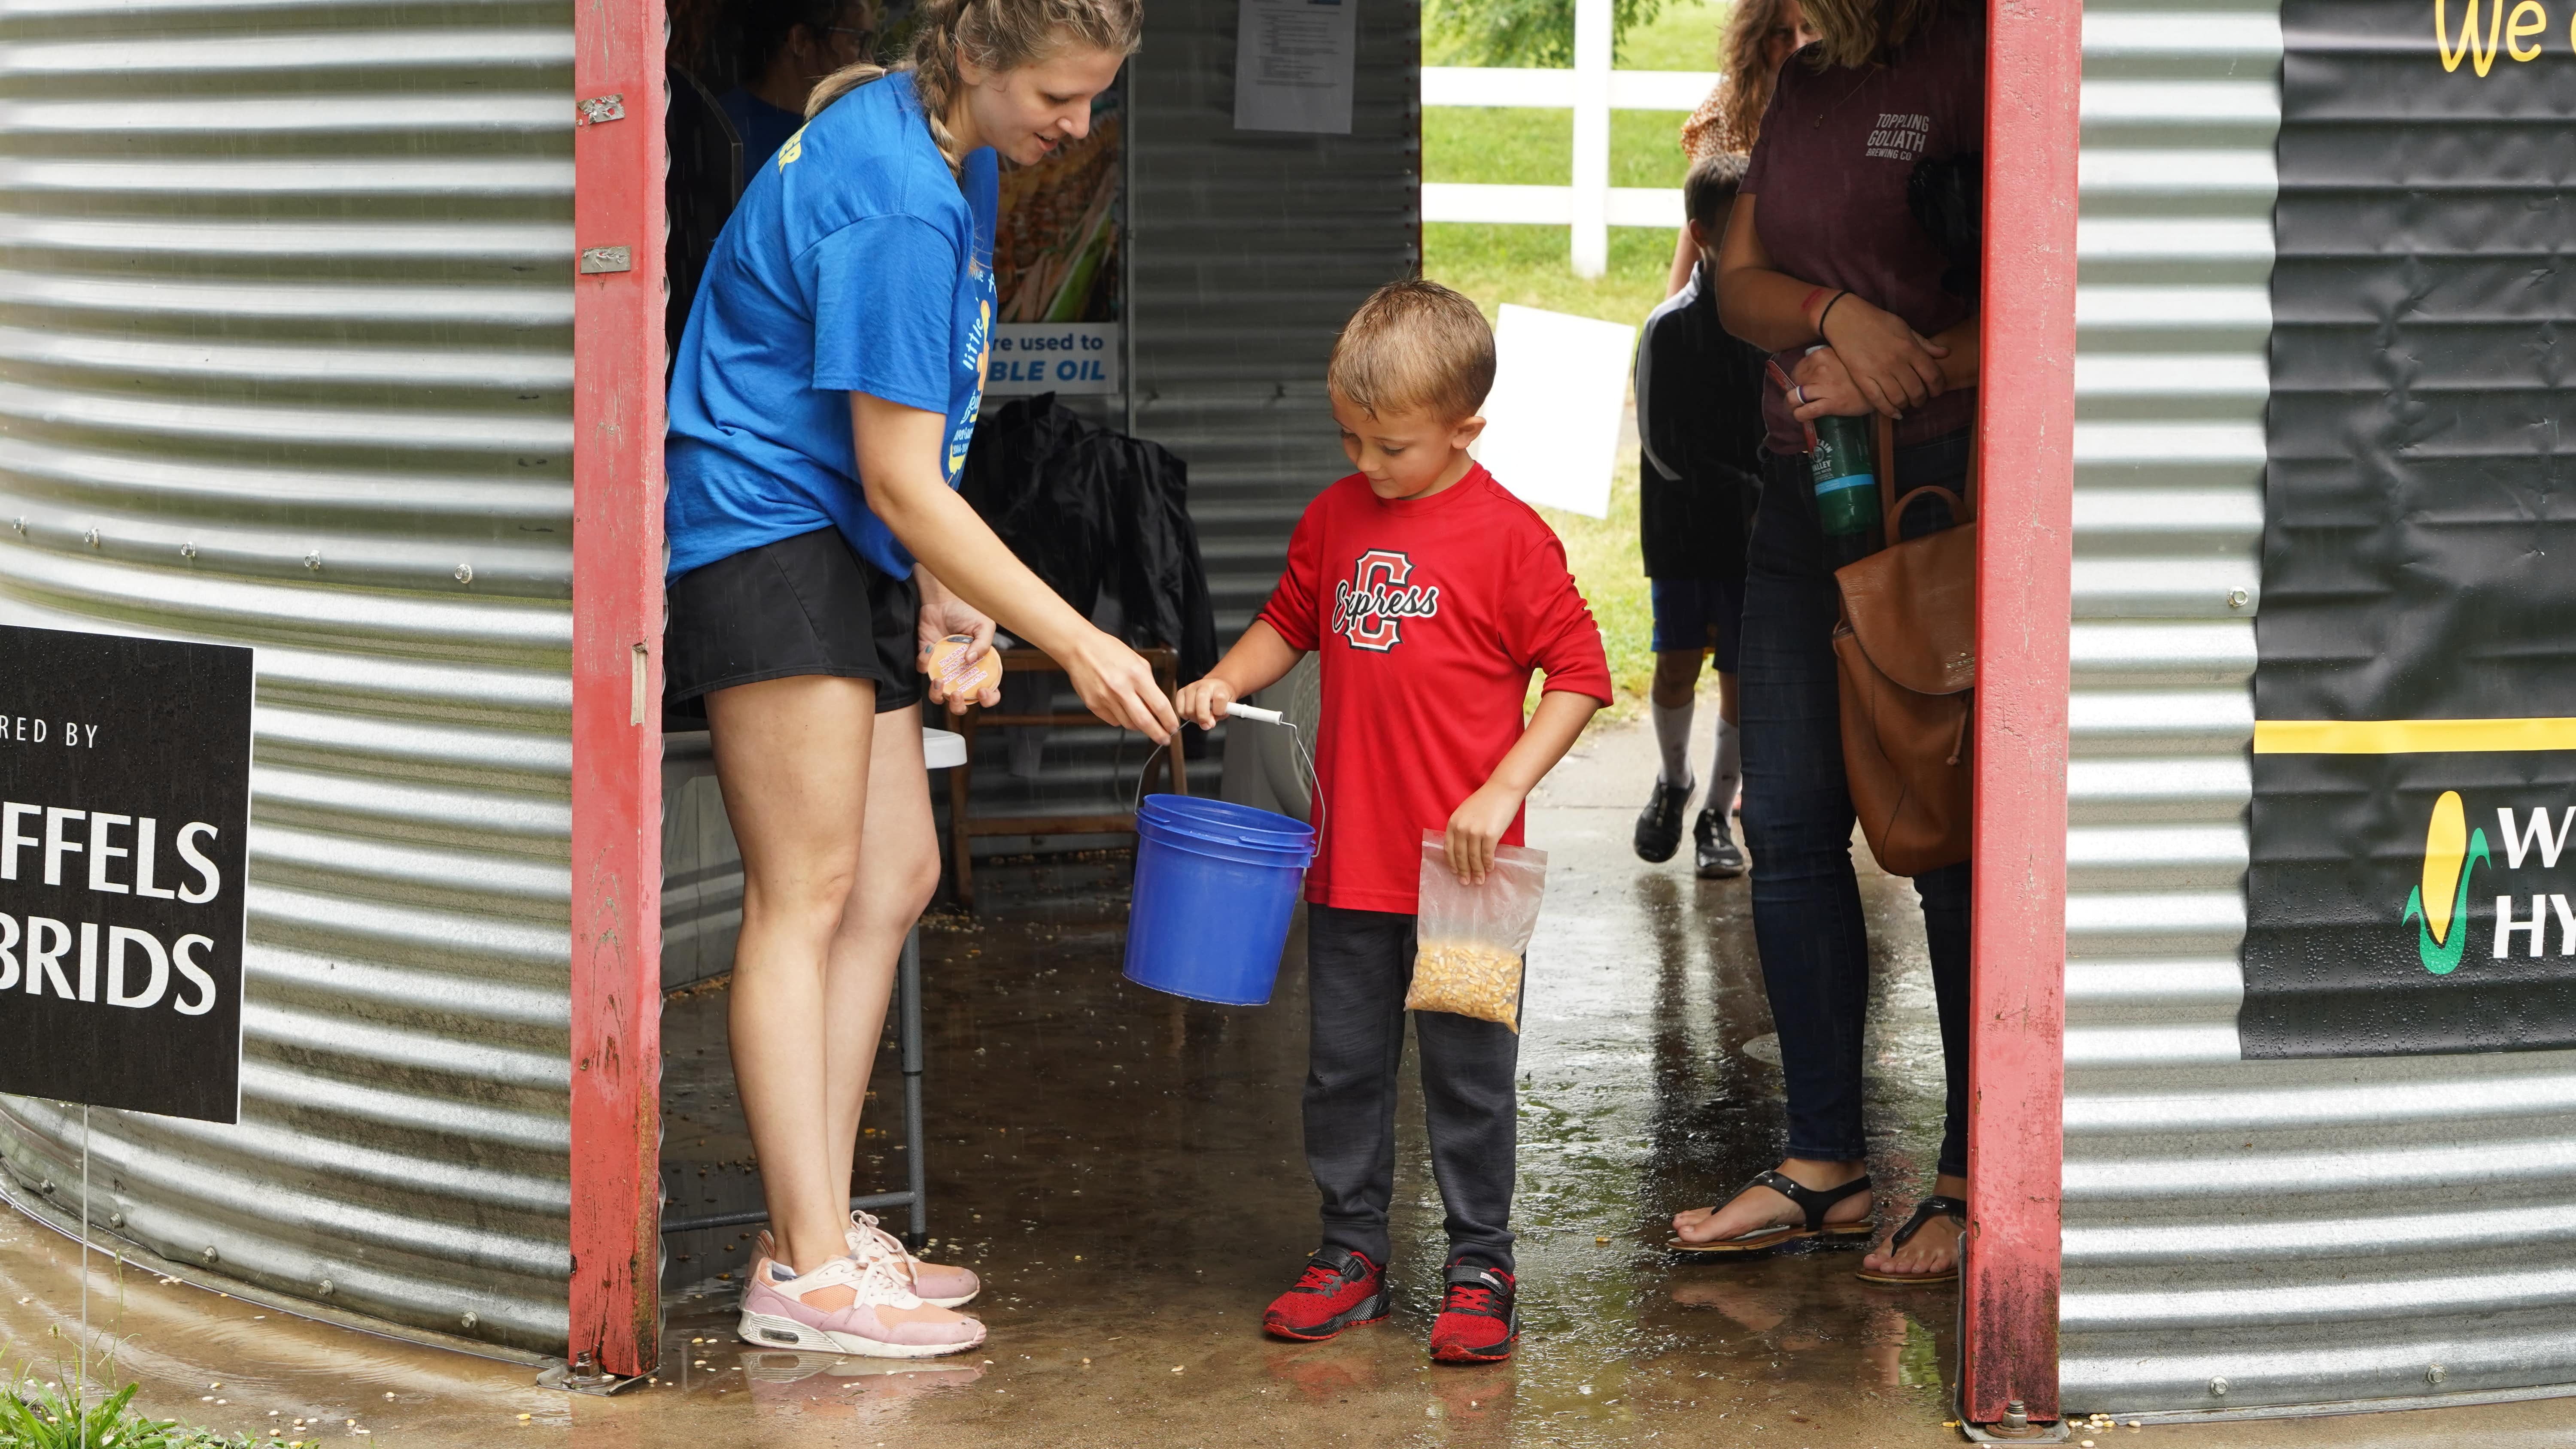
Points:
[(854, 263)]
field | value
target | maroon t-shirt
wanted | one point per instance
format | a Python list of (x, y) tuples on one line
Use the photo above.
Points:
[(1843, 144)]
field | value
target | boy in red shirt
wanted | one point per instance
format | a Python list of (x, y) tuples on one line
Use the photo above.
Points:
[(1432, 594)]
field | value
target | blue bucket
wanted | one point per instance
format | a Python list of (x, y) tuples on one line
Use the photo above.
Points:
[(1215, 886)]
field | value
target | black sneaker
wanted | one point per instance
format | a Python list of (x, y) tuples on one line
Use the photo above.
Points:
[(1659, 825), (1719, 857)]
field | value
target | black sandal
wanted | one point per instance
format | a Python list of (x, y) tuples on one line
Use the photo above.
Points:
[(1811, 1201), (1924, 1212)]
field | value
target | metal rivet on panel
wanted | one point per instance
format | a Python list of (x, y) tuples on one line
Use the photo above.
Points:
[(324, 1287), (90, 538), (116, 1220), (45, 1186), (471, 1319), (19, 524), (187, 550), (2238, 598), (465, 573), (210, 1255), (313, 561), (2435, 1374), (2218, 1387)]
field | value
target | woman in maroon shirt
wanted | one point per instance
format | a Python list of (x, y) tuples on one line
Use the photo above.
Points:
[(1826, 267)]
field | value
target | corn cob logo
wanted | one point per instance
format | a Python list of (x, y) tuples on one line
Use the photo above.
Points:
[(2451, 852)]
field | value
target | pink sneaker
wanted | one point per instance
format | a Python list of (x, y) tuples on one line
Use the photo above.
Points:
[(849, 1306), (933, 1283)]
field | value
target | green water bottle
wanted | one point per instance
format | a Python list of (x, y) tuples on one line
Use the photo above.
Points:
[(1846, 482)]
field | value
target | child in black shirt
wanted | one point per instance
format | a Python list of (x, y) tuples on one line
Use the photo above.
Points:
[(1699, 417)]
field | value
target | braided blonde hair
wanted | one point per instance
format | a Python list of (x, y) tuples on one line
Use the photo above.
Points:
[(996, 35)]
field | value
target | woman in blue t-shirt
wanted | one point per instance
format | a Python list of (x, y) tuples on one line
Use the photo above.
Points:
[(821, 406)]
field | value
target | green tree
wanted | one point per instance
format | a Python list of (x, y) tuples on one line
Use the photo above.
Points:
[(1521, 32)]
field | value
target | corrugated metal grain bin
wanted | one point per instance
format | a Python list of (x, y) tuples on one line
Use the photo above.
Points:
[(291, 298), (2316, 474), (286, 360)]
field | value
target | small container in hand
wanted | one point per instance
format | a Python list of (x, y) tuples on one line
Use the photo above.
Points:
[(956, 675)]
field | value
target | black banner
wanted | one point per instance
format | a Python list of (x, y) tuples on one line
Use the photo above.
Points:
[(124, 806), (2415, 751)]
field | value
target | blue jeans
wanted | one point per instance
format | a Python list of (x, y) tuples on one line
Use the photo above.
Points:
[(1798, 823)]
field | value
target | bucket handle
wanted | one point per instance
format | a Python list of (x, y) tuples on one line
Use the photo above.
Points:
[(1257, 715)]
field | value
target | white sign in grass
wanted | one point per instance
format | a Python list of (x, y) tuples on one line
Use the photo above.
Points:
[(1552, 420)]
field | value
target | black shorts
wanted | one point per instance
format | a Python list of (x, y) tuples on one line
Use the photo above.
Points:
[(802, 605)]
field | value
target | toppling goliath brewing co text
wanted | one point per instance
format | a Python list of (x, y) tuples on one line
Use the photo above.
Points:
[(124, 802)]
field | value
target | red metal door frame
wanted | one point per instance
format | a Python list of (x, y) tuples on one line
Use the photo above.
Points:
[(618, 351), (2017, 1063)]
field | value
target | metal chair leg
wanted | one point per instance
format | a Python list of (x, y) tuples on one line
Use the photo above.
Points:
[(908, 990)]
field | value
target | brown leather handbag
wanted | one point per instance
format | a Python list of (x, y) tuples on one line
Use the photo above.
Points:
[(1907, 650)]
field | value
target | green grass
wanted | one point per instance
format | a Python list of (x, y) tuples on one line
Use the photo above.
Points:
[(1527, 265), (1682, 37), (1533, 146), (41, 1416)]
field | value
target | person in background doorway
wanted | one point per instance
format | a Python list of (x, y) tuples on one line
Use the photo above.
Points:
[(1699, 420), (1760, 37), (821, 408), (787, 46), (1826, 265)]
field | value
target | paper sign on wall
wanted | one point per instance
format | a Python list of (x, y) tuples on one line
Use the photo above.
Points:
[(124, 803), (1552, 420), (1293, 62)]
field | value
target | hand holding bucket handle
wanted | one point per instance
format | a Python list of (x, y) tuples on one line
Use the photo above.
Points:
[(1257, 715)]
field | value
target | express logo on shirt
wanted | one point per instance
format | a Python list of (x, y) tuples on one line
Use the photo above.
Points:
[(1371, 606)]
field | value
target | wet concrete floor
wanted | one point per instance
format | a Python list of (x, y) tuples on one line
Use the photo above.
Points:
[(1124, 1169)]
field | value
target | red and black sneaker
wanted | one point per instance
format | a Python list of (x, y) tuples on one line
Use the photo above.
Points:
[(1477, 1322), (1339, 1289)]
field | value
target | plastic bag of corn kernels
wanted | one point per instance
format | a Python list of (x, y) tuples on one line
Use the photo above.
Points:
[(1471, 938)]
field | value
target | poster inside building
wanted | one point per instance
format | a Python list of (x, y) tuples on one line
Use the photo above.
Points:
[(1057, 263), (2412, 887)]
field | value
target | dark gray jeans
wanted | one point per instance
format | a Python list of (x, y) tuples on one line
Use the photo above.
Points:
[(1358, 966)]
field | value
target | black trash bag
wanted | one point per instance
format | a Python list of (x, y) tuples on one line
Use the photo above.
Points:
[(1087, 509), (1034, 476), (1162, 580)]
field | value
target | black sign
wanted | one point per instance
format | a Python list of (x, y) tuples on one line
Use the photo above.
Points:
[(124, 803), (2413, 874)]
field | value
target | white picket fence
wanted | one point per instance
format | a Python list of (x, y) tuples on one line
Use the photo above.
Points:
[(1591, 205)]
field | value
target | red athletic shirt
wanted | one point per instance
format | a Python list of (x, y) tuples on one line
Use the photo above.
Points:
[(1430, 614)]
